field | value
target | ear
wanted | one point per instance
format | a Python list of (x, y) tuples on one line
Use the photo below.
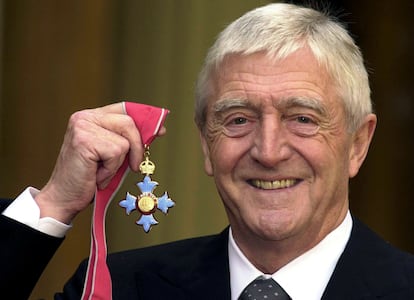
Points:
[(208, 168), (361, 140)]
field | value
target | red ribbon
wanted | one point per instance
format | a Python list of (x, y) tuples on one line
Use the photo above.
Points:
[(98, 284)]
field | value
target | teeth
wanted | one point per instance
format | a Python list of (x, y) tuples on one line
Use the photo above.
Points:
[(271, 185)]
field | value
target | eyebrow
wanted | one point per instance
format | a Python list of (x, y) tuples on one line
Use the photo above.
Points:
[(226, 104), (282, 104), (305, 102)]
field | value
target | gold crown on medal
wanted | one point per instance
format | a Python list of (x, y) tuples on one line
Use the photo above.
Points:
[(147, 167)]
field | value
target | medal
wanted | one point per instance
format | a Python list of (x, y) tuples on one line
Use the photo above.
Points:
[(148, 120), (146, 203)]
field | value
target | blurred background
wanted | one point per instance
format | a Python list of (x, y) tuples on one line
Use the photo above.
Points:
[(57, 57)]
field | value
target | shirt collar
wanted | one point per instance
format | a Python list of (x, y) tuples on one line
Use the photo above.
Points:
[(305, 277)]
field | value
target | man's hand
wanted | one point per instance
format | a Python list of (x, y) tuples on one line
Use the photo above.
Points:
[(96, 143)]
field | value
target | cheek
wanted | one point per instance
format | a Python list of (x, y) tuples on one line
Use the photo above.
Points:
[(222, 149), (329, 162), (320, 156), (332, 146), (227, 153)]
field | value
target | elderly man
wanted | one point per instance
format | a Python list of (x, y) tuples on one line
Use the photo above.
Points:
[(285, 118)]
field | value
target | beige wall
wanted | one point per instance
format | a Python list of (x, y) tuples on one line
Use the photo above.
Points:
[(62, 56)]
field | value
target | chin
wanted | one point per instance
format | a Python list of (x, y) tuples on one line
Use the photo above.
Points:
[(277, 227)]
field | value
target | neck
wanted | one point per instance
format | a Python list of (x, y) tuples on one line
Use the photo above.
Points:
[(269, 255)]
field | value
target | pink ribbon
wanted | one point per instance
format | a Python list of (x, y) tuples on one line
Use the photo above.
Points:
[(98, 284)]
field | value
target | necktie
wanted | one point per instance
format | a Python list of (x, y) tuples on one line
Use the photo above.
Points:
[(264, 289)]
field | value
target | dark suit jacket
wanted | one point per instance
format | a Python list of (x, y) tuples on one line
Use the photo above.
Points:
[(198, 268)]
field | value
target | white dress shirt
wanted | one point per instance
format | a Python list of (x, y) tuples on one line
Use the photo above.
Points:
[(305, 277), (25, 210)]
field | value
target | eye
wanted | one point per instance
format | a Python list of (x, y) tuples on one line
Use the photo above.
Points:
[(302, 125), (304, 120), (239, 121), (238, 125)]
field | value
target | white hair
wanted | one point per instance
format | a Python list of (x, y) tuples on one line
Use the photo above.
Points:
[(279, 30)]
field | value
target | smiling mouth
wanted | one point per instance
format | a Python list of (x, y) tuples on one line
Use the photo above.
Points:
[(273, 185)]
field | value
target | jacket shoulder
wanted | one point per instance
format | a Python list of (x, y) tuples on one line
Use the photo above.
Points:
[(371, 266)]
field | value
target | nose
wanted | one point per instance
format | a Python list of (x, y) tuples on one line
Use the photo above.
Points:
[(271, 144)]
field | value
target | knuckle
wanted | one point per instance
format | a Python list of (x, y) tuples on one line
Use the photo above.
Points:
[(121, 147), (79, 129), (79, 118), (75, 117), (127, 125)]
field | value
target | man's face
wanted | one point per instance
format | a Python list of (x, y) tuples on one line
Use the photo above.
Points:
[(277, 145)]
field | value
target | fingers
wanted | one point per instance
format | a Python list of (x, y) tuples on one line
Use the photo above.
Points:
[(114, 108), (118, 129), (162, 131), (115, 119)]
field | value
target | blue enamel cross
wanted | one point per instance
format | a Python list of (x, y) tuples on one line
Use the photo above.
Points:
[(147, 203)]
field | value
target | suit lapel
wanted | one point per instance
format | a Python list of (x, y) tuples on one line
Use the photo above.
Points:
[(200, 274), (366, 269)]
